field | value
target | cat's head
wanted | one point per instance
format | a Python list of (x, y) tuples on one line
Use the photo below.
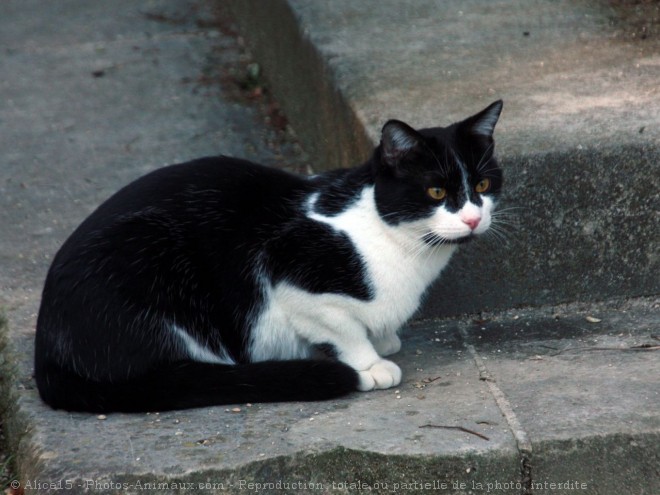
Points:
[(441, 183)]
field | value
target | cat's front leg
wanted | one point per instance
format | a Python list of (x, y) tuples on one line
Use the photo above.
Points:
[(374, 371), (351, 345), (355, 349), (387, 344)]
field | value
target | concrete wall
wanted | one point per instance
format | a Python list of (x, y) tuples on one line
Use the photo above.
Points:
[(302, 83), (584, 228)]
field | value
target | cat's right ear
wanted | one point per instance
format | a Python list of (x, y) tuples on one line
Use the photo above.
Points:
[(397, 141), (483, 123)]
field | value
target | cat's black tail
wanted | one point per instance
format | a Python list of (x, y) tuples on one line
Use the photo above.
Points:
[(189, 384)]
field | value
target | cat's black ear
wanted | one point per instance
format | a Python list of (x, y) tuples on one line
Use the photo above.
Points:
[(483, 123), (397, 140)]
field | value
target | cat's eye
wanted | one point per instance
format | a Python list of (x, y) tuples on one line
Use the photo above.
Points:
[(436, 193), (482, 186)]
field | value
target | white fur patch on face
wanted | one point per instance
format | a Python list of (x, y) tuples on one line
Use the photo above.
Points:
[(487, 206), (456, 225)]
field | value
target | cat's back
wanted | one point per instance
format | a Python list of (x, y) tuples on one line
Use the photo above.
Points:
[(221, 180), (191, 214), (220, 192)]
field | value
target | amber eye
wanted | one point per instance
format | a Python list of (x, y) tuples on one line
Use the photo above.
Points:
[(436, 193), (482, 186)]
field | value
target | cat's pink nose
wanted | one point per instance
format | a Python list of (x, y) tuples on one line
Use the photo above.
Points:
[(471, 222)]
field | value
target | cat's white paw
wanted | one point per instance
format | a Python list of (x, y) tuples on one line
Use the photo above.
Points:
[(387, 346), (383, 374)]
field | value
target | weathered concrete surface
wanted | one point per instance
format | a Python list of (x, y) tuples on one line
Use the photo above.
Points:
[(577, 402), (319, 442), (581, 391), (95, 94), (579, 137)]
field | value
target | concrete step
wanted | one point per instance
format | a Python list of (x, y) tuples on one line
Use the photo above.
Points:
[(530, 401), (578, 140)]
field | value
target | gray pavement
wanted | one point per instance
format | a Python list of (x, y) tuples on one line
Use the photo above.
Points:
[(554, 399)]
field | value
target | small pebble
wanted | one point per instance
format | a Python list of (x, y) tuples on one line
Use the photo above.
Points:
[(101, 417), (236, 409), (592, 319)]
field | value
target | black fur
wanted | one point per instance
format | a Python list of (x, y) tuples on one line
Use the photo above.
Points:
[(188, 384), (329, 264)]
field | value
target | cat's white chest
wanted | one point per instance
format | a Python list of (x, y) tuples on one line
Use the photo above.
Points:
[(399, 266), (398, 271)]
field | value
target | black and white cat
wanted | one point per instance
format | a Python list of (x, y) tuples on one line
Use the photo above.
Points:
[(221, 281)]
